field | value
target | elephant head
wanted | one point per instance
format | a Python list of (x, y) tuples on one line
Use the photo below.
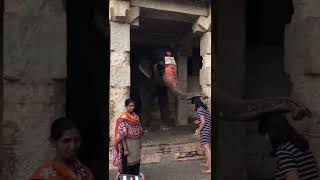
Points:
[(162, 68), (228, 107)]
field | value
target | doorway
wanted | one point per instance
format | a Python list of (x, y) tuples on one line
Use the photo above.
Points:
[(88, 81)]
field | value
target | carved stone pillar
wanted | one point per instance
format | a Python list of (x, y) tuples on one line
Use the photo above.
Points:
[(302, 53), (34, 73), (182, 64), (202, 27), (121, 16)]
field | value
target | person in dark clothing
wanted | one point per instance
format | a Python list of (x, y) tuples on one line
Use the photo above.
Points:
[(295, 161)]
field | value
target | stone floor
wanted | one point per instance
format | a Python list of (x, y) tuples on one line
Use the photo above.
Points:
[(172, 170), (176, 144)]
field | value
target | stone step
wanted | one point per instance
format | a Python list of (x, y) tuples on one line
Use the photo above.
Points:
[(167, 147)]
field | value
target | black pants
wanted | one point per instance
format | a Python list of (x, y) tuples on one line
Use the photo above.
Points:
[(131, 169)]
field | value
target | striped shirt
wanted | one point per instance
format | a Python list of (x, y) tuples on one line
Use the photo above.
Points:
[(290, 158), (205, 134)]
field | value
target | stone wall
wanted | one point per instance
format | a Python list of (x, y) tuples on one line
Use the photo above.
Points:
[(302, 53), (34, 83), (265, 78)]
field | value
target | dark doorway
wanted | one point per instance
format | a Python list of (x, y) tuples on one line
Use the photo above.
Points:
[(88, 80)]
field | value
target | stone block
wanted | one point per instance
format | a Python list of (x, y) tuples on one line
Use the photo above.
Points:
[(133, 15), (184, 6), (182, 116), (27, 126), (119, 36), (26, 93), (58, 69), (120, 76), (206, 61), (119, 58), (118, 10), (27, 52), (205, 76), (205, 44), (202, 25), (306, 8), (34, 7), (312, 38)]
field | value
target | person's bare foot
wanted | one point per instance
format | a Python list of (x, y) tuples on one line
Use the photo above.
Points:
[(206, 171)]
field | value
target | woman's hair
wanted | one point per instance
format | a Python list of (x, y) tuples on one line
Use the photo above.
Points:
[(198, 103), (280, 131), (59, 126), (128, 101)]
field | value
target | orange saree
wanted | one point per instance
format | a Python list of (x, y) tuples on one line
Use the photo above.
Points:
[(54, 170), (127, 126)]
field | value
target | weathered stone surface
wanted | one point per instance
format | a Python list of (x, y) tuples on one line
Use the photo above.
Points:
[(133, 14), (30, 43), (205, 76), (118, 10), (34, 7), (119, 58), (302, 48), (120, 76), (182, 64), (26, 128), (34, 89), (38, 93), (205, 44), (202, 25), (185, 6), (119, 36)]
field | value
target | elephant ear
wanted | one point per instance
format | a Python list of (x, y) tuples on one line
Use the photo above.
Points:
[(145, 68)]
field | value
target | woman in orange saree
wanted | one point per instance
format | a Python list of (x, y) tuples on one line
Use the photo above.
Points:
[(127, 142), (65, 137)]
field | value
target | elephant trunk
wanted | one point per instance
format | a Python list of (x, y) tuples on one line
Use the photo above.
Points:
[(172, 82)]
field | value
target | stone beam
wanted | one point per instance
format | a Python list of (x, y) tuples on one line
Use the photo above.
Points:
[(182, 6), (133, 16), (203, 23), (167, 15)]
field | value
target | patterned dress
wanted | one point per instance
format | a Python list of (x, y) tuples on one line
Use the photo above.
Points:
[(205, 134), (127, 127)]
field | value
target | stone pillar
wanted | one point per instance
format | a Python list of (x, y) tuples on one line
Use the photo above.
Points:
[(120, 18), (34, 83), (302, 53), (202, 27), (182, 64), (205, 71)]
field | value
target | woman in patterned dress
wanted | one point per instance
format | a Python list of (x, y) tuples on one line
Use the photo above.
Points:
[(204, 129), (65, 138), (127, 143), (295, 161)]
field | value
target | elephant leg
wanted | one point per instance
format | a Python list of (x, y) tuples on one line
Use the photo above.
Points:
[(146, 104), (164, 106)]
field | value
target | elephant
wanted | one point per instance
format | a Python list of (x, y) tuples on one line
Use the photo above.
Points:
[(158, 74)]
